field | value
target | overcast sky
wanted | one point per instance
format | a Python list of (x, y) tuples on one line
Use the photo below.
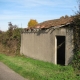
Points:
[(19, 12)]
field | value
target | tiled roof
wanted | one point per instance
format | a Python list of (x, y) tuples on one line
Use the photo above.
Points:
[(55, 22)]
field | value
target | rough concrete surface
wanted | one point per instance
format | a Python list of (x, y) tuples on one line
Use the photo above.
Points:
[(7, 74), (42, 45)]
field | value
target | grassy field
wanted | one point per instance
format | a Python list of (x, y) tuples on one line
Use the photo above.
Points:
[(38, 70)]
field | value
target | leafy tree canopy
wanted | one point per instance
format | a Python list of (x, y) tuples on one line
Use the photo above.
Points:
[(32, 23)]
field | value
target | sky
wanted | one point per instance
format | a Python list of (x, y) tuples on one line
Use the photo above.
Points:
[(20, 12)]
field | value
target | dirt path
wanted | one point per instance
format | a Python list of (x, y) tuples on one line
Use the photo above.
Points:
[(7, 74)]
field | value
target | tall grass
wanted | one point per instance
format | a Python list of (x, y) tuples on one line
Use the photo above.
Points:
[(38, 70)]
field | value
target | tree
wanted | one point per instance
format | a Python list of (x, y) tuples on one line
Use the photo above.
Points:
[(32, 23), (78, 11), (10, 26), (76, 20), (76, 32), (11, 29)]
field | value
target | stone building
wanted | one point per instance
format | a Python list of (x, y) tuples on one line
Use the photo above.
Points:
[(50, 41)]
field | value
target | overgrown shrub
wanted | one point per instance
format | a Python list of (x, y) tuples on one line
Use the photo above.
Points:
[(11, 40), (77, 32), (76, 61)]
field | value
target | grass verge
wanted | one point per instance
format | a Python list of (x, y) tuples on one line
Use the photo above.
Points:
[(38, 70)]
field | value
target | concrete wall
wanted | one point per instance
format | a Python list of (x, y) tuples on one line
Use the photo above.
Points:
[(41, 45)]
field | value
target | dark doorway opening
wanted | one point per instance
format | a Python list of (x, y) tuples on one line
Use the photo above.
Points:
[(61, 50)]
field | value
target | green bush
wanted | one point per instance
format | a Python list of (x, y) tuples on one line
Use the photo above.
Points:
[(11, 40), (76, 61)]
